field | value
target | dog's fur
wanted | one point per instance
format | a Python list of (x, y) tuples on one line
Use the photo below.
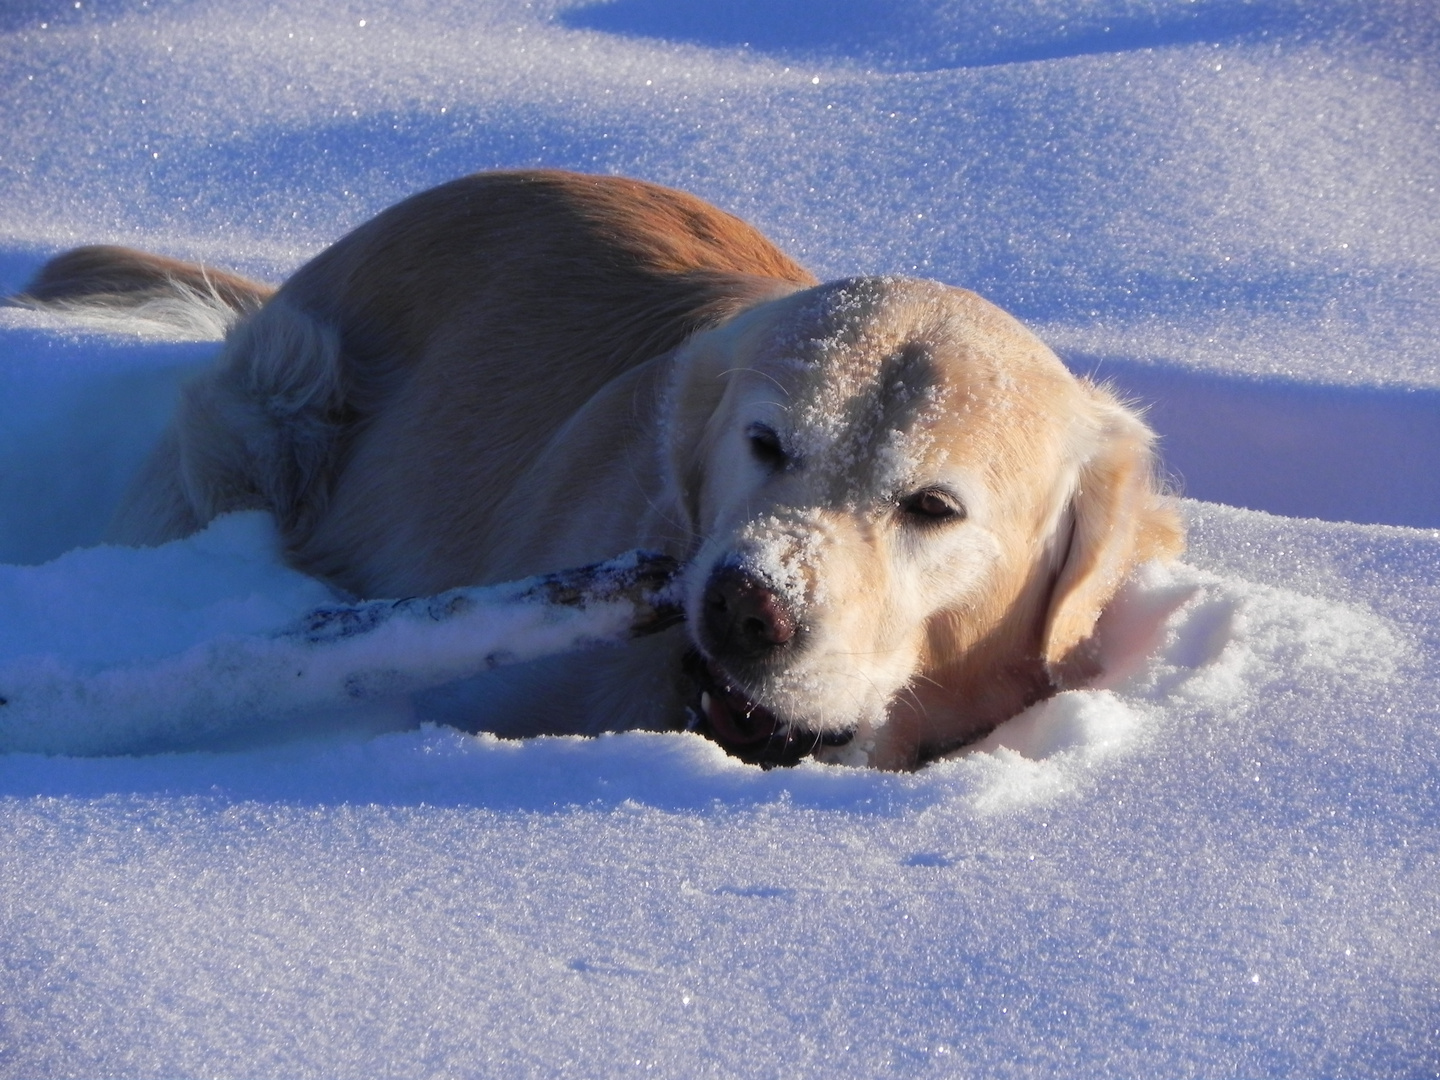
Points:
[(900, 515)]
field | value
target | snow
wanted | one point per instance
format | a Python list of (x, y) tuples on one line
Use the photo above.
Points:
[(1223, 860)]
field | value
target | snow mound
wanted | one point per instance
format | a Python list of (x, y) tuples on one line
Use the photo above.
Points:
[(1183, 640)]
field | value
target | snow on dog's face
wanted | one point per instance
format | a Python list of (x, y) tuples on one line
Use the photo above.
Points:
[(908, 516)]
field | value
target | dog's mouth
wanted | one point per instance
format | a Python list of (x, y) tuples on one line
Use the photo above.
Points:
[(721, 711)]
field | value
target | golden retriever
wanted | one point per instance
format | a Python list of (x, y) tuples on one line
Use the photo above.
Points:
[(899, 514)]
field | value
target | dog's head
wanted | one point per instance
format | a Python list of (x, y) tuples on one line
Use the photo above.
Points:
[(907, 517)]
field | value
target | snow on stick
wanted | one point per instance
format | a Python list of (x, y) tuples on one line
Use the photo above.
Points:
[(358, 661)]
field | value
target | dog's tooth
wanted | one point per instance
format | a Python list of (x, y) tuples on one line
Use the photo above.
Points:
[(705, 702)]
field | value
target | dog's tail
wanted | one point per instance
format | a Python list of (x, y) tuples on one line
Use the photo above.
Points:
[(255, 430), (147, 293)]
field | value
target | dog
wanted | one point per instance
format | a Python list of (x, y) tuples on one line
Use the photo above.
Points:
[(899, 515)]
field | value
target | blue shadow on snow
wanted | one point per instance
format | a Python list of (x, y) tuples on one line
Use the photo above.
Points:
[(932, 34), (1361, 454), (441, 767)]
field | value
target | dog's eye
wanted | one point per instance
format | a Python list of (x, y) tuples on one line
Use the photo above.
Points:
[(932, 506), (765, 445)]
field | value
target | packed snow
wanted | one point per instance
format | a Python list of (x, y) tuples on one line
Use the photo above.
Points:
[(1221, 860)]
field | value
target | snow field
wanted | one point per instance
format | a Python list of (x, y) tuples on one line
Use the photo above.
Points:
[(1221, 861)]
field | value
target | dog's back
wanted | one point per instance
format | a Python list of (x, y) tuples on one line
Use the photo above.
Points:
[(454, 334), (477, 319)]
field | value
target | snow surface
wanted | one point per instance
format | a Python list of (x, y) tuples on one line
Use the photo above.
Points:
[(1222, 861)]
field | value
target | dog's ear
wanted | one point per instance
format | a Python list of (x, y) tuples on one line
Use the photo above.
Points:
[(702, 371), (1119, 519), (697, 384)]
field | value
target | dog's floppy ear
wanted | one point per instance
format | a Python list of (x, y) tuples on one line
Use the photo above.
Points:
[(697, 384), (1119, 519)]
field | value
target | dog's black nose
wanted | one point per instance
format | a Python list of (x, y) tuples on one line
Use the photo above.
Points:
[(744, 617)]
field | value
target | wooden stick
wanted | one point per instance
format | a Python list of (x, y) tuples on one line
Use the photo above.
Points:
[(355, 664)]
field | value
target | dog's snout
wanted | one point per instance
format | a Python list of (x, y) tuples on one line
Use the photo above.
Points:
[(744, 617)]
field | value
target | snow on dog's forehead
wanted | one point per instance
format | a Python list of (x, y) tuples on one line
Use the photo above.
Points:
[(875, 367)]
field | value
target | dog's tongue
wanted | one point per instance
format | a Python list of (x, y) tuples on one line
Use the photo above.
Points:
[(737, 721)]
